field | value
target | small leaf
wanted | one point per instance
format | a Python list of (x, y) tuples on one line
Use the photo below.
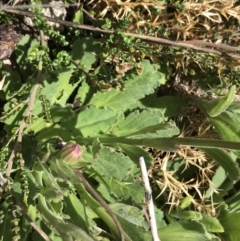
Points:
[(215, 107), (186, 202)]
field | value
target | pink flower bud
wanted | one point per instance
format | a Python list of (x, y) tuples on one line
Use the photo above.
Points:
[(71, 153)]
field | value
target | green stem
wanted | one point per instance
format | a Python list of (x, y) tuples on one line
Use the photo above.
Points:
[(168, 144)]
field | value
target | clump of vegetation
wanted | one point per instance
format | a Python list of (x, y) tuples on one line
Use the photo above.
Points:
[(83, 100)]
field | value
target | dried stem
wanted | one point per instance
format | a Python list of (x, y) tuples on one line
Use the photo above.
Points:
[(149, 201), (146, 38)]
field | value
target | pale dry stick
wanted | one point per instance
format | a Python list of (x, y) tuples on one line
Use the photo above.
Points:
[(149, 201), (218, 46), (145, 38), (17, 146)]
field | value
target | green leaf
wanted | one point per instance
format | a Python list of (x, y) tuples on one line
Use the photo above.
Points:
[(60, 113), (136, 88), (122, 189), (219, 178), (131, 222), (134, 152), (215, 107), (112, 164), (84, 51), (230, 223), (212, 224), (185, 231), (168, 129), (186, 215), (92, 121), (59, 90), (75, 209), (130, 213), (225, 160), (227, 123), (136, 121)]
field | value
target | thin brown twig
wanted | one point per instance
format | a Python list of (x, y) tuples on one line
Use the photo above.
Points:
[(18, 144), (145, 38)]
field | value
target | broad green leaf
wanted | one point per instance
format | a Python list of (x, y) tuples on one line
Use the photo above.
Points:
[(122, 190), (186, 231), (24, 48), (84, 51), (111, 164), (131, 223), (92, 121), (215, 107), (225, 160), (59, 90), (230, 223), (136, 121), (136, 88), (169, 105), (168, 129), (61, 113), (212, 224), (130, 213)]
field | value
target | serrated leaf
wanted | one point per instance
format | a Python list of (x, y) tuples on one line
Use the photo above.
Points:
[(133, 231), (215, 107), (162, 130), (136, 121), (130, 213), (93, 121), (136, 88), (112, 164), (123, 189)]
